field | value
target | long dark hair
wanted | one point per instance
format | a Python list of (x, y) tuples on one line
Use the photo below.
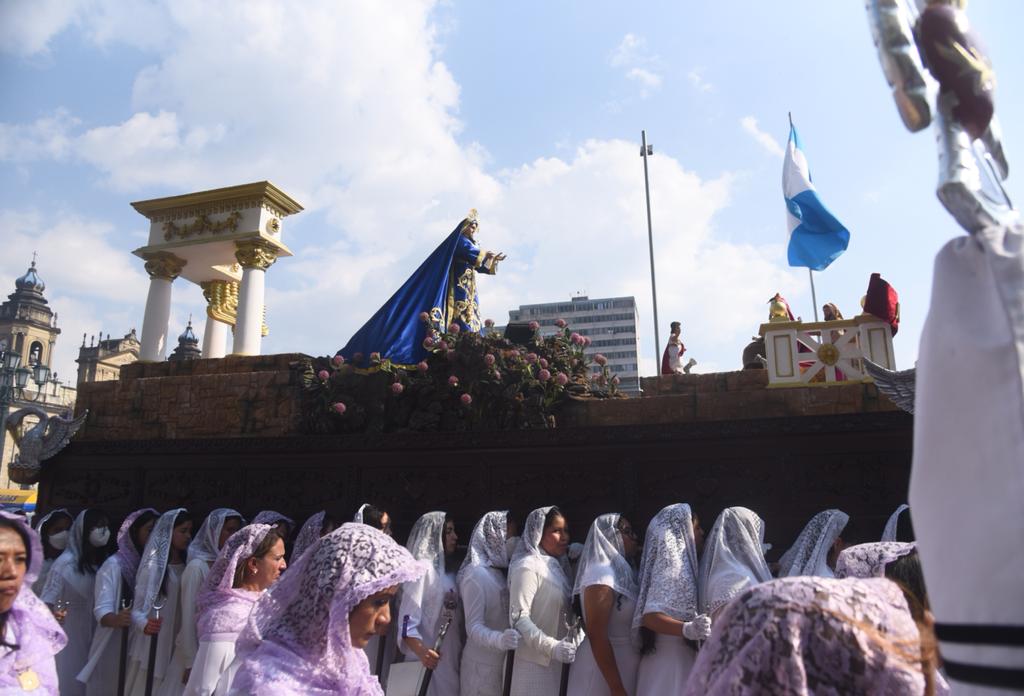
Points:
[(182, 517), (10, 524), (92, 557)]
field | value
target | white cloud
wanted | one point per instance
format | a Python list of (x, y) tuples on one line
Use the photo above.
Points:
[(48, 137), (765, 140), (637, 64), (646, 78), (696, 78), (631, 50), (27, 26)]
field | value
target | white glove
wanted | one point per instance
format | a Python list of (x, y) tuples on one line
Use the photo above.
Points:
[(698, 629), (564, 652), (575, 550), (509, 639)]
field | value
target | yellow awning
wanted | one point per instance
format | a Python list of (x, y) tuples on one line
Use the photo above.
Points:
[(16, 496)]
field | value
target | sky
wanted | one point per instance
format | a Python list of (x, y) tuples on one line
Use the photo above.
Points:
[(388, 120)]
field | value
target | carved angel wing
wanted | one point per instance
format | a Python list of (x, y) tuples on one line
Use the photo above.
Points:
[(898, 386), (13, 423), (59, 432)]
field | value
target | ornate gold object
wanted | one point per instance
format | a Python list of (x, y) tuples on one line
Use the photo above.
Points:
[(221, 300), (828, 354), (163, 264), (777, 310), (273, 225), (28, 680), (256, 254), (202, 225)]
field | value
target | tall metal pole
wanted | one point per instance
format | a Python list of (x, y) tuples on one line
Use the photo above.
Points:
[(814, 295), (645, 150)]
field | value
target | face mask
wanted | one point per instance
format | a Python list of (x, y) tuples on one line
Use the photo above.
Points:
[(59, 540), (99, 536), (510, 546)]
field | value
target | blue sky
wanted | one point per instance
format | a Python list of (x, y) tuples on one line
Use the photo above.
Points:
[(388, 120)]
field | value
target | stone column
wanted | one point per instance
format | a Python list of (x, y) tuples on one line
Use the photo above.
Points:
[(255, 257), (162, 267), (221, 307)]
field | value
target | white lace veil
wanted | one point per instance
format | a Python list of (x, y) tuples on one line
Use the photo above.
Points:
[(153, 566), (892, 524), (809, 553), (68, 557), (603, 561), (426, 544), (205, 544), (668, 567), (869, 560), (487, 543), (733, 558), (359, 513), (309, 533), (530, 554)]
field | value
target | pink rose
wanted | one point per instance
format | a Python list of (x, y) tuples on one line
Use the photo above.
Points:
[(454, 328), (428, 342), (497, 375), (560, 323), (397, 388), (375, 357), (339, 407), (543, 375), (424, 317), (324, 375), (489, 359), (531, 358), (543, 363), (600, 360), (442, 345), (513, 354), (453, 381), (586, 341), (576, 338), (421, 366), (534, 326), (489, 323), (562, 379), (466, 399), (338, 360)]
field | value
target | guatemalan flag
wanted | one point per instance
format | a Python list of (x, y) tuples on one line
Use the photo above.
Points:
[(816, 238)]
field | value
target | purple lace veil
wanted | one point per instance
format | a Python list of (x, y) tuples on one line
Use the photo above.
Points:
[(668, 567), (221, 607), (309, 533), (37, 633), (603, 560), (809, 553), (487, 545), (127, 555), (733, 558), (272, 518), (811, 635), (204, 546), (297, 636), (870, 560)]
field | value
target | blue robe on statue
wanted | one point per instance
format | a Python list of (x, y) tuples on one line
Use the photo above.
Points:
[(444, 286)]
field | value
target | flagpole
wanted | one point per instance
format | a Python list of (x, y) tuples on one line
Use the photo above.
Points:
[(645, 150), (810, 273)]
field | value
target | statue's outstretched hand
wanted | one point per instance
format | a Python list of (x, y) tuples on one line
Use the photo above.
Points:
[(500, 257)]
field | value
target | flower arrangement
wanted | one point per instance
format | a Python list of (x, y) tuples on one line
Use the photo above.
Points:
[(468, 381)]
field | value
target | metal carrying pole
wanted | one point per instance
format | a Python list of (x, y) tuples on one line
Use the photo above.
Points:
[(646, 150), (123, 664), (450, 606)]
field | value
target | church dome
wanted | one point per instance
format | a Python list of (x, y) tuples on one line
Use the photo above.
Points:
[(188, 337), (30, 281)]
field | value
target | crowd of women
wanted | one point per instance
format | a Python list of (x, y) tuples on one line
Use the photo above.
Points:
[(221, 611)]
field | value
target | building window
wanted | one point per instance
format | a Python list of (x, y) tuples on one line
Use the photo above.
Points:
[(35, 353)]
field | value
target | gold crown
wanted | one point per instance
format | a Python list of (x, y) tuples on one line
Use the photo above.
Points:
[(472, 215)]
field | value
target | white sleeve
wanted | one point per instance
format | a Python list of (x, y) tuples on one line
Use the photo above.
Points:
[(107, 594), (188, 640), (523, 584), (474, 604), (410, 613), (54, 587)]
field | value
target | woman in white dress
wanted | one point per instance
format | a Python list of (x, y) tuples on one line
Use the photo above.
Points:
[(484, 591), (733, 559), (250, 562), (115, 581), (202, 552), (70, 590), (540, 590), (606, 582), (53, 529), (427, 603), (666, 608), (157, 588), (817, 548)]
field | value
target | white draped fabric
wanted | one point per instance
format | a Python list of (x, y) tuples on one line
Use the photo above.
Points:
[(967, 480), (892, 524), (809, 553), (666, 669), (100, 671), (733, 558), (585, 678)]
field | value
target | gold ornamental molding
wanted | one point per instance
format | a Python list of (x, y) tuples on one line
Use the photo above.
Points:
[(256, 253), (202, 225), (221, 300), (231, 198), (163, 264)]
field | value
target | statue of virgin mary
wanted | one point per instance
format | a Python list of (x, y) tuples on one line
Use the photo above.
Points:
[(444, 286)]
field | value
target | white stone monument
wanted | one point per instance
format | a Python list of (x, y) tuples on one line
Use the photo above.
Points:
[(224, 241)]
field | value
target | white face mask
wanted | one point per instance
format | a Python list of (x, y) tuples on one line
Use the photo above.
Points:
[(59, 540), (99, 536), (510, 546)]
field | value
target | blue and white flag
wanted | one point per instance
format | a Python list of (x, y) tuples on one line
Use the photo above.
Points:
[(816, 238)]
